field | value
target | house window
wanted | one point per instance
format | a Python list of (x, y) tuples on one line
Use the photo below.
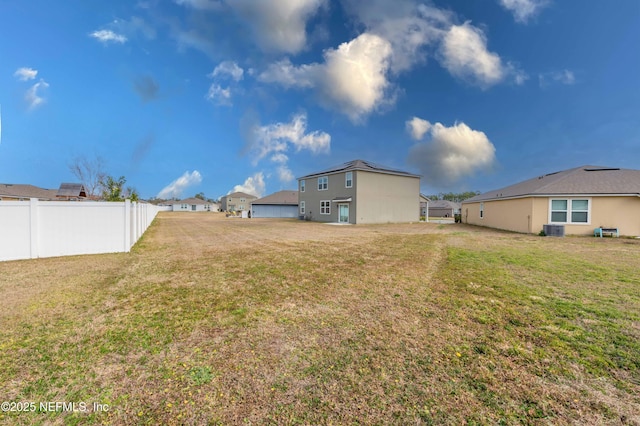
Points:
[(559, 210), (325, 207), (302, 183), (348, 180), (301, 207), (481, 210), (242, 200), (570, 211), (323, 183)]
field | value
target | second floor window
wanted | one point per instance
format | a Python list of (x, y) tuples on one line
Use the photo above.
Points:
[(348, 180), (323, 183), (302, 183)]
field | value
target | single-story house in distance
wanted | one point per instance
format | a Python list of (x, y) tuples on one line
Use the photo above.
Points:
[(278, 204), (194, 205), (424, 206), (443, 208), (359, 192), (23, 192), (580, 199)]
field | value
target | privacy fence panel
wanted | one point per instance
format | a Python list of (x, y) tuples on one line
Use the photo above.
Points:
[(32, 229)]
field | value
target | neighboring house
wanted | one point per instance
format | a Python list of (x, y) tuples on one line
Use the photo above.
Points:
[(279, 204), (443, 208), (359, 192), (579, 199), (22, 192), (237, 201), (424, 206), (71, 191), (194, 205)]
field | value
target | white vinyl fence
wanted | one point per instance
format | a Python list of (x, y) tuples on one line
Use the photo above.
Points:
[(32, 229)]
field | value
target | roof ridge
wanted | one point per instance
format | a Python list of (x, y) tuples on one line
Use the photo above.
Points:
[(566, 174)]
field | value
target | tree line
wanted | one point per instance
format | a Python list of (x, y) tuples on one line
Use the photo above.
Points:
[(98, 184), (456, 197)]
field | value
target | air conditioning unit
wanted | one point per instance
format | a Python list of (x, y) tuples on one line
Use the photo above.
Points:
[(553, 230)]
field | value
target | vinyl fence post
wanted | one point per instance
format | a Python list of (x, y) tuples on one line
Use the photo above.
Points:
[(33, 227), (127, 226)]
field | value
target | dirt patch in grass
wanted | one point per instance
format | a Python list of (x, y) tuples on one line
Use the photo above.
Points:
[(215, 320)]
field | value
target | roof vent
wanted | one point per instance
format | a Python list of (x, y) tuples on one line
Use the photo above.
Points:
[(601, 169)]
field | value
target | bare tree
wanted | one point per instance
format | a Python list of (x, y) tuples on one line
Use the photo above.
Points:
[(89, 172)]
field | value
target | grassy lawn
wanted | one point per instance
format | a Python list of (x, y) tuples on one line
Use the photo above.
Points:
[(229, 321)]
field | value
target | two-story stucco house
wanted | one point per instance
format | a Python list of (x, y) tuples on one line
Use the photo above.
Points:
[(359, 192), (236, 202)]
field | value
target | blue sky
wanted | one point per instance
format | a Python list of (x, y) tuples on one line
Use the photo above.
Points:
[(188, 96)]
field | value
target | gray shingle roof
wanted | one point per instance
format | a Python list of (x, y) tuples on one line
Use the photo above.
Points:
[(240, 195), (443, 204), (280, 197), (584, 180), (71, 190), (26, 191), (360, 165), (192, 200)]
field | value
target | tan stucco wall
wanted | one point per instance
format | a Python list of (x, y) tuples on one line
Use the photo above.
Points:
[(617, 212), (528, 215), (382, 198), (511, 215)]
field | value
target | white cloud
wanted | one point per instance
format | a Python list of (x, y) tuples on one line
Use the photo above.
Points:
[(352, 79), (519, 76), (284, 174), (280, 25), (25, 74), (279, 158), (407, 25), (132, 27), (452, 153), (417, 127), (218, 95), (175, 188), (288, 75), (523, 9), (107, 36), (465, 55), (275, 139), (228, 68), (33, 97), (253, 185), (561, 77)]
